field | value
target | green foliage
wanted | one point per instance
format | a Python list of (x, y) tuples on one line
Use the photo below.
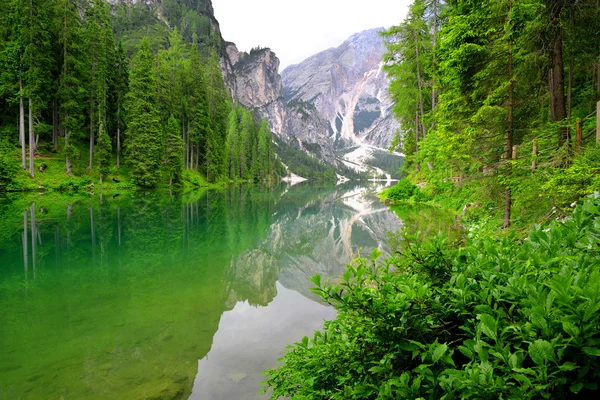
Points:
[(404, 190), (143, 122), (249, 152), (582, 178), (103, 151), (470, 80), (8, 166), (174, 150), (496, 319)]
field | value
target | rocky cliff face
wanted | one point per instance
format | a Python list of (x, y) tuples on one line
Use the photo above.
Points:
[(333, 102), (253, 79), (348, 88)]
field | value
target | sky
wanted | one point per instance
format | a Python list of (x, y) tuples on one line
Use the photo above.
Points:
[(297, 29)]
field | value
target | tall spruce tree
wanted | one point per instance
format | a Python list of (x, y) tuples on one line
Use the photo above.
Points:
[(200, 123), (143, 122), (71, 89), (101, 62), (218, 110)]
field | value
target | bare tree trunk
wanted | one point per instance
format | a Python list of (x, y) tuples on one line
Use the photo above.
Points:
[(435, 32), (22, 127), (197, 156), (31, 140), (509, 132), (420, 85), (557, 88), (192, 156)]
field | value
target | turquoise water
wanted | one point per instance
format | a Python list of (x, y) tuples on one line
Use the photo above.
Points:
[(159, 295)]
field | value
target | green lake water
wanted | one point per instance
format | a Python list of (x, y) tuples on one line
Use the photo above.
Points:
[(159, 295)]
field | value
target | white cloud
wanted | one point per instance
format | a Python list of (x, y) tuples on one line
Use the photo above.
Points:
[(295, 30)]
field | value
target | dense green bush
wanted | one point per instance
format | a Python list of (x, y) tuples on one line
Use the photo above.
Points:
[(405, 190), (496, 319), (580, 179), (8, 166)]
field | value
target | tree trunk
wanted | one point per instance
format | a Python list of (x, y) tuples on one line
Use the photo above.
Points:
[(509, 132), (22, 128), (420, 85), (31, 140), (435, 32), (191, 156), (557, 87)]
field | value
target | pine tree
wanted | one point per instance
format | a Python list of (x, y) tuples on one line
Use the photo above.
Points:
[(174, 151), (218, 110), (200, 123), (101, 60), (264, 137), (233, 147), (70, 91), (103, 152), (120, 81), (143, 121)]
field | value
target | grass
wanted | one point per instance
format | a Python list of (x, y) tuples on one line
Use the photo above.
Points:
[(50, 175)]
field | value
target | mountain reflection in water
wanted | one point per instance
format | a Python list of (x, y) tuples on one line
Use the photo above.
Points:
[(168, 295)]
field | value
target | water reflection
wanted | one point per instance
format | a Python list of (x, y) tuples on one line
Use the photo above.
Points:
[(155, 293)]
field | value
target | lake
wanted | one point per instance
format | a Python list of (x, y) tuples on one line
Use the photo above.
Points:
[(167, 295)]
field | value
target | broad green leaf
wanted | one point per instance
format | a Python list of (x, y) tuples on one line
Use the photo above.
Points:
[(571, 329), (487, 325), (591, 351), (541, 351), (576, 387), (439, 352)]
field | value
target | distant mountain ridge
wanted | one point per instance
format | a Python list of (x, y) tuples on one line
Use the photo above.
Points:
[(348, 87)]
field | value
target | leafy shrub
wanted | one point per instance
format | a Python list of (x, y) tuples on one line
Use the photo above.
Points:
[(580, 179), (8, 166), (405, 190), (500, 320)]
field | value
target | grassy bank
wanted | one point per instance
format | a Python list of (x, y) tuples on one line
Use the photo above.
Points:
[(50, 175)]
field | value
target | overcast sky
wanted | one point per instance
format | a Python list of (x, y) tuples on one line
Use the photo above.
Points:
[(297, 29)]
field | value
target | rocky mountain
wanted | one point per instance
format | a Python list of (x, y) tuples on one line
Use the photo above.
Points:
[(333, 105), (348, 88)]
